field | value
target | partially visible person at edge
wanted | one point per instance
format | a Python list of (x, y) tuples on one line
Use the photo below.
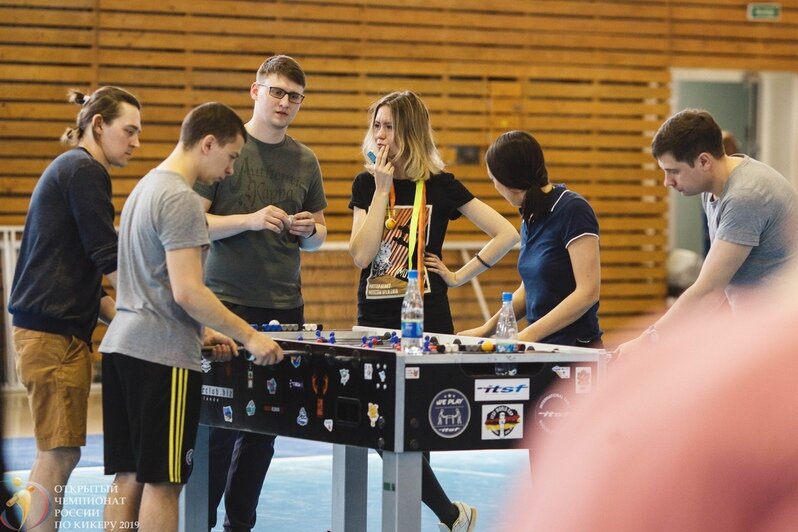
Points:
[(151, 364), (260, 219), (730, 144), (559, 259), (696, 433), (68, 245), (751, 213), (400, 137)]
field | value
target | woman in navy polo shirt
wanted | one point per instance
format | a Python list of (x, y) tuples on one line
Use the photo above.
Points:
[(559, 259)]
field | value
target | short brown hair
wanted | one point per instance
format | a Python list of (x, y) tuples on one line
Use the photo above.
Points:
[(212, 118), (687, 134), (284, 66)]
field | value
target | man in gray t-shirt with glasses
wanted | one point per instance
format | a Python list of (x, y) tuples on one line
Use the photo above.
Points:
[(260, 218)]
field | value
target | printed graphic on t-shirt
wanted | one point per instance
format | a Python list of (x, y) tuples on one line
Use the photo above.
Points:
[(388, 275)]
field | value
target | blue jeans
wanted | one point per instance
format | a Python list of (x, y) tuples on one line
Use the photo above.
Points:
[(239, 460)]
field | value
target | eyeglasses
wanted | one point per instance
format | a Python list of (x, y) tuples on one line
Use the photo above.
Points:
[(277, 92)]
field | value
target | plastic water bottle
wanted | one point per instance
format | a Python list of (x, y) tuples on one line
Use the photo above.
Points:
[(412, 317), (506, 335)]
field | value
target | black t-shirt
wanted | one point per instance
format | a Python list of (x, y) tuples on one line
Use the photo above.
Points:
[(382, 283)]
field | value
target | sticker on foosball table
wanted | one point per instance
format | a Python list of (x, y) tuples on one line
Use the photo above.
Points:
[(373, 413), (382, 375), (320, 386), (503, 422), (214, 393), (563, 372), (296, 360), (551, 410), (368, 370), (205, 365), (344, 376), (584, 379), (302, 418), (271, 386), (272, 408), (449, 413), (295, 385), (227, 412), (413, 373), (328, 424), (251, 408), (501, 390)]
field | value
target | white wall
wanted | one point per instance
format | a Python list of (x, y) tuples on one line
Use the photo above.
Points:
[(778, 122)]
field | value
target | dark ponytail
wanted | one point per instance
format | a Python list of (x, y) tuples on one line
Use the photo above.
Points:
[(105, 101), (516, 161)]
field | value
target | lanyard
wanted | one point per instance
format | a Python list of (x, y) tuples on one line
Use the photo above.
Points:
[(417, 227)]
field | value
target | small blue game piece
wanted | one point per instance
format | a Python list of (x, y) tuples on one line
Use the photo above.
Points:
[(332, 337)]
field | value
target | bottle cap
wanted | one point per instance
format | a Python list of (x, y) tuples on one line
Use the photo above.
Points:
[(507, 296), (412, 274)]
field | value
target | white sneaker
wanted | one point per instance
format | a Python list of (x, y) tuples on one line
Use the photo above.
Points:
[(465, 522)]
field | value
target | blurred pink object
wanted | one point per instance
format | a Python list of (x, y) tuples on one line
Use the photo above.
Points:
[(700, 434)]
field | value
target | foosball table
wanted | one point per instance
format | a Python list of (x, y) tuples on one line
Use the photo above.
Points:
[(356, 390)]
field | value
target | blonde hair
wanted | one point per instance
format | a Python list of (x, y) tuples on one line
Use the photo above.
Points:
[(412, 134)]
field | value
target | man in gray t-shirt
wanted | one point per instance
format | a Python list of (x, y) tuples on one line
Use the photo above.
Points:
[(751, 211), (151, 363), (755, 210)]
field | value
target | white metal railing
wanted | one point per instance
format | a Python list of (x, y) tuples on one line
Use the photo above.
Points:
[(11, 237)]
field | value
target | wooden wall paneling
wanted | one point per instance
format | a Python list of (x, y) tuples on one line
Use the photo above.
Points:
[(589, 79)]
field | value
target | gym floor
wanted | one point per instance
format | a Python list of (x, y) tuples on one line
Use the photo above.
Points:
[(297, 495)]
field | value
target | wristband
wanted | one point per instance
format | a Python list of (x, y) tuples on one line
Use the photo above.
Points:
[(485, 264)]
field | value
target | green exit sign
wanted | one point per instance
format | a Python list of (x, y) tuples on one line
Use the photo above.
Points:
[(764, 12)]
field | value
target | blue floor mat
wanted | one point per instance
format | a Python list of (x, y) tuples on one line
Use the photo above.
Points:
[(297, 495)]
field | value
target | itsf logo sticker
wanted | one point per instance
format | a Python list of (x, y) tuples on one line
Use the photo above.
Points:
[(227, 412), (449, 413), (551, 410), (503, 422), (501, 390)]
